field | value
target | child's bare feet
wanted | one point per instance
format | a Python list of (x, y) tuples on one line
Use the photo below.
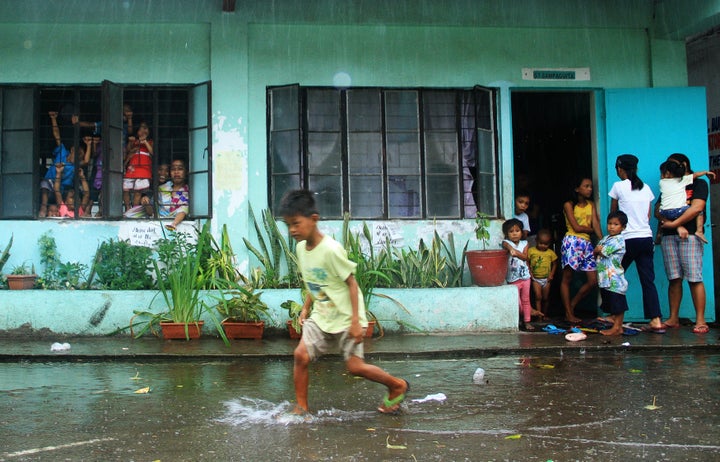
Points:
[(537, 314), (43, 211), (297, 410), (571, 318), (701, 236)]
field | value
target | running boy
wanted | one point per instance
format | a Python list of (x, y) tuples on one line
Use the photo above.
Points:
[(333, 315), (609, 253)]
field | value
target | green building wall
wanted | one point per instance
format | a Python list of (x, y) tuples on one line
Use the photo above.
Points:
[(375, 43)]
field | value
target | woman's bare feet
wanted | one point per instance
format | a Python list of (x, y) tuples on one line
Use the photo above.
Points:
[(612, 331)]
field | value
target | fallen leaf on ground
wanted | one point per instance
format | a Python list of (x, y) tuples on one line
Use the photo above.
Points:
[(393, 446), (513, 437), (142, 390), (653, 407)]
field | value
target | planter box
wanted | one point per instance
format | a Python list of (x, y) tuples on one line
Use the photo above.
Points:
[(176, 330), (246, 330), (103, 312), (21, 281)]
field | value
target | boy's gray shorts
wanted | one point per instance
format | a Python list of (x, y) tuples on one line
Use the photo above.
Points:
[(318, 342)]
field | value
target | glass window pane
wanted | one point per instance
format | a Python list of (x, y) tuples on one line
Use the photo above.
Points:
[(404, 197), (403, 154), (18, 104), (284, 108), (366, 196), (17, 203), (401, 110), (328, 195), (441, 152), (17, 154), (439, 110), (484, 112), (486, 195), (363, 111), (285, 151), (323, 110), (199, 190), (365, 153), (442, 196), (486, 152), (324, 150), (281, 184)]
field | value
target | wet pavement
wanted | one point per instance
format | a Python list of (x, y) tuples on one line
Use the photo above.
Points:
[(543, 398)]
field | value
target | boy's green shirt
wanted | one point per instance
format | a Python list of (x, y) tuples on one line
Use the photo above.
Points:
[(325, 269)]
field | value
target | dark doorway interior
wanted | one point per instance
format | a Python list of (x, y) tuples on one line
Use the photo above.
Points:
[(552, 145)]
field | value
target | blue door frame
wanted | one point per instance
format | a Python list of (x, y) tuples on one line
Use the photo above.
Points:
[(653, 123)]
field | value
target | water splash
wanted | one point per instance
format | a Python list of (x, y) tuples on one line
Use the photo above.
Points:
[(245, 412)]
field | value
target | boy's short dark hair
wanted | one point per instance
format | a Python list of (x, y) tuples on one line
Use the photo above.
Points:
[(298, 202), (510, 223), (620, 215), (522, 193), (544, 232)]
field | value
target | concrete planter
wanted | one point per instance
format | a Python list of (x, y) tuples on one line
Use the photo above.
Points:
[(99, 312)]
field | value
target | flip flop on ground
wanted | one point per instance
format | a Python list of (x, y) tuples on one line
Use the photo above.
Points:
[(654, 330), (670, 326), (704, 329), (392, 406)]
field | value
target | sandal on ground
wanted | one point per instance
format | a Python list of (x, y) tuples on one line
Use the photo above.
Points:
[(552, 329), (392, 406), (704, 329)]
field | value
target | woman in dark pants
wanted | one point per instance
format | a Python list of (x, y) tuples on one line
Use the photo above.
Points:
[(634, 197)]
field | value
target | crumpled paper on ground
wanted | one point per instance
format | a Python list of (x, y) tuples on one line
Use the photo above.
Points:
[(434, 397)]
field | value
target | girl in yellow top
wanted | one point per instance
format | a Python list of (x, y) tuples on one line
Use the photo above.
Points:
[(581, 219)]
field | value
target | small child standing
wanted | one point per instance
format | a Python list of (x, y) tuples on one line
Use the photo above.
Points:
[(609, 253), (543, 262), (333, 314), (518, 273), (138, 167), (576, 253), (522, 203), (673, 193)]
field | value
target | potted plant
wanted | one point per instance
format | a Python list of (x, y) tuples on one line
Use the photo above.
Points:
[(243, 313), (22, 277), (180, 281), (294, 309), (488, 267)]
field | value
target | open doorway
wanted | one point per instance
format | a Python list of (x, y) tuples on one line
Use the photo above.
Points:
[(552, 144)]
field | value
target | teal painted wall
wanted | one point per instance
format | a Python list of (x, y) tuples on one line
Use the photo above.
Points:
[(410, 43)]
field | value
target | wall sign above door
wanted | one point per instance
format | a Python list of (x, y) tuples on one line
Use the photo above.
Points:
[(565, 73)]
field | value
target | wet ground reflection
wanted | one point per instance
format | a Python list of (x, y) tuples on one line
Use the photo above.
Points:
[(565, 407)]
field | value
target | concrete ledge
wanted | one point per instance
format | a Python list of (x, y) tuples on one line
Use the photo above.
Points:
[(95, 312)]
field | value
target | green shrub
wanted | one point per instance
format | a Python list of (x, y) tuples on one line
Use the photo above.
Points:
[(121, 266)]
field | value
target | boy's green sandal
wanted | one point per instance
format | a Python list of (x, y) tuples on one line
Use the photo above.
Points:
[(392, 406)]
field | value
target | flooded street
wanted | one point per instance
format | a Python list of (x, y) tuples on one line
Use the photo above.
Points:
[(593, 406)]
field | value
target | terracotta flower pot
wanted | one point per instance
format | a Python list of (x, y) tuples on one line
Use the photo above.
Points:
[(487, 267), (239, 330), (370, 329), (291, 330), (21, 281), (176, 330)]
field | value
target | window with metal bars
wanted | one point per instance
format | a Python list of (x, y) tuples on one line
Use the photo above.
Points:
[(178, 117), (385, 153)]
